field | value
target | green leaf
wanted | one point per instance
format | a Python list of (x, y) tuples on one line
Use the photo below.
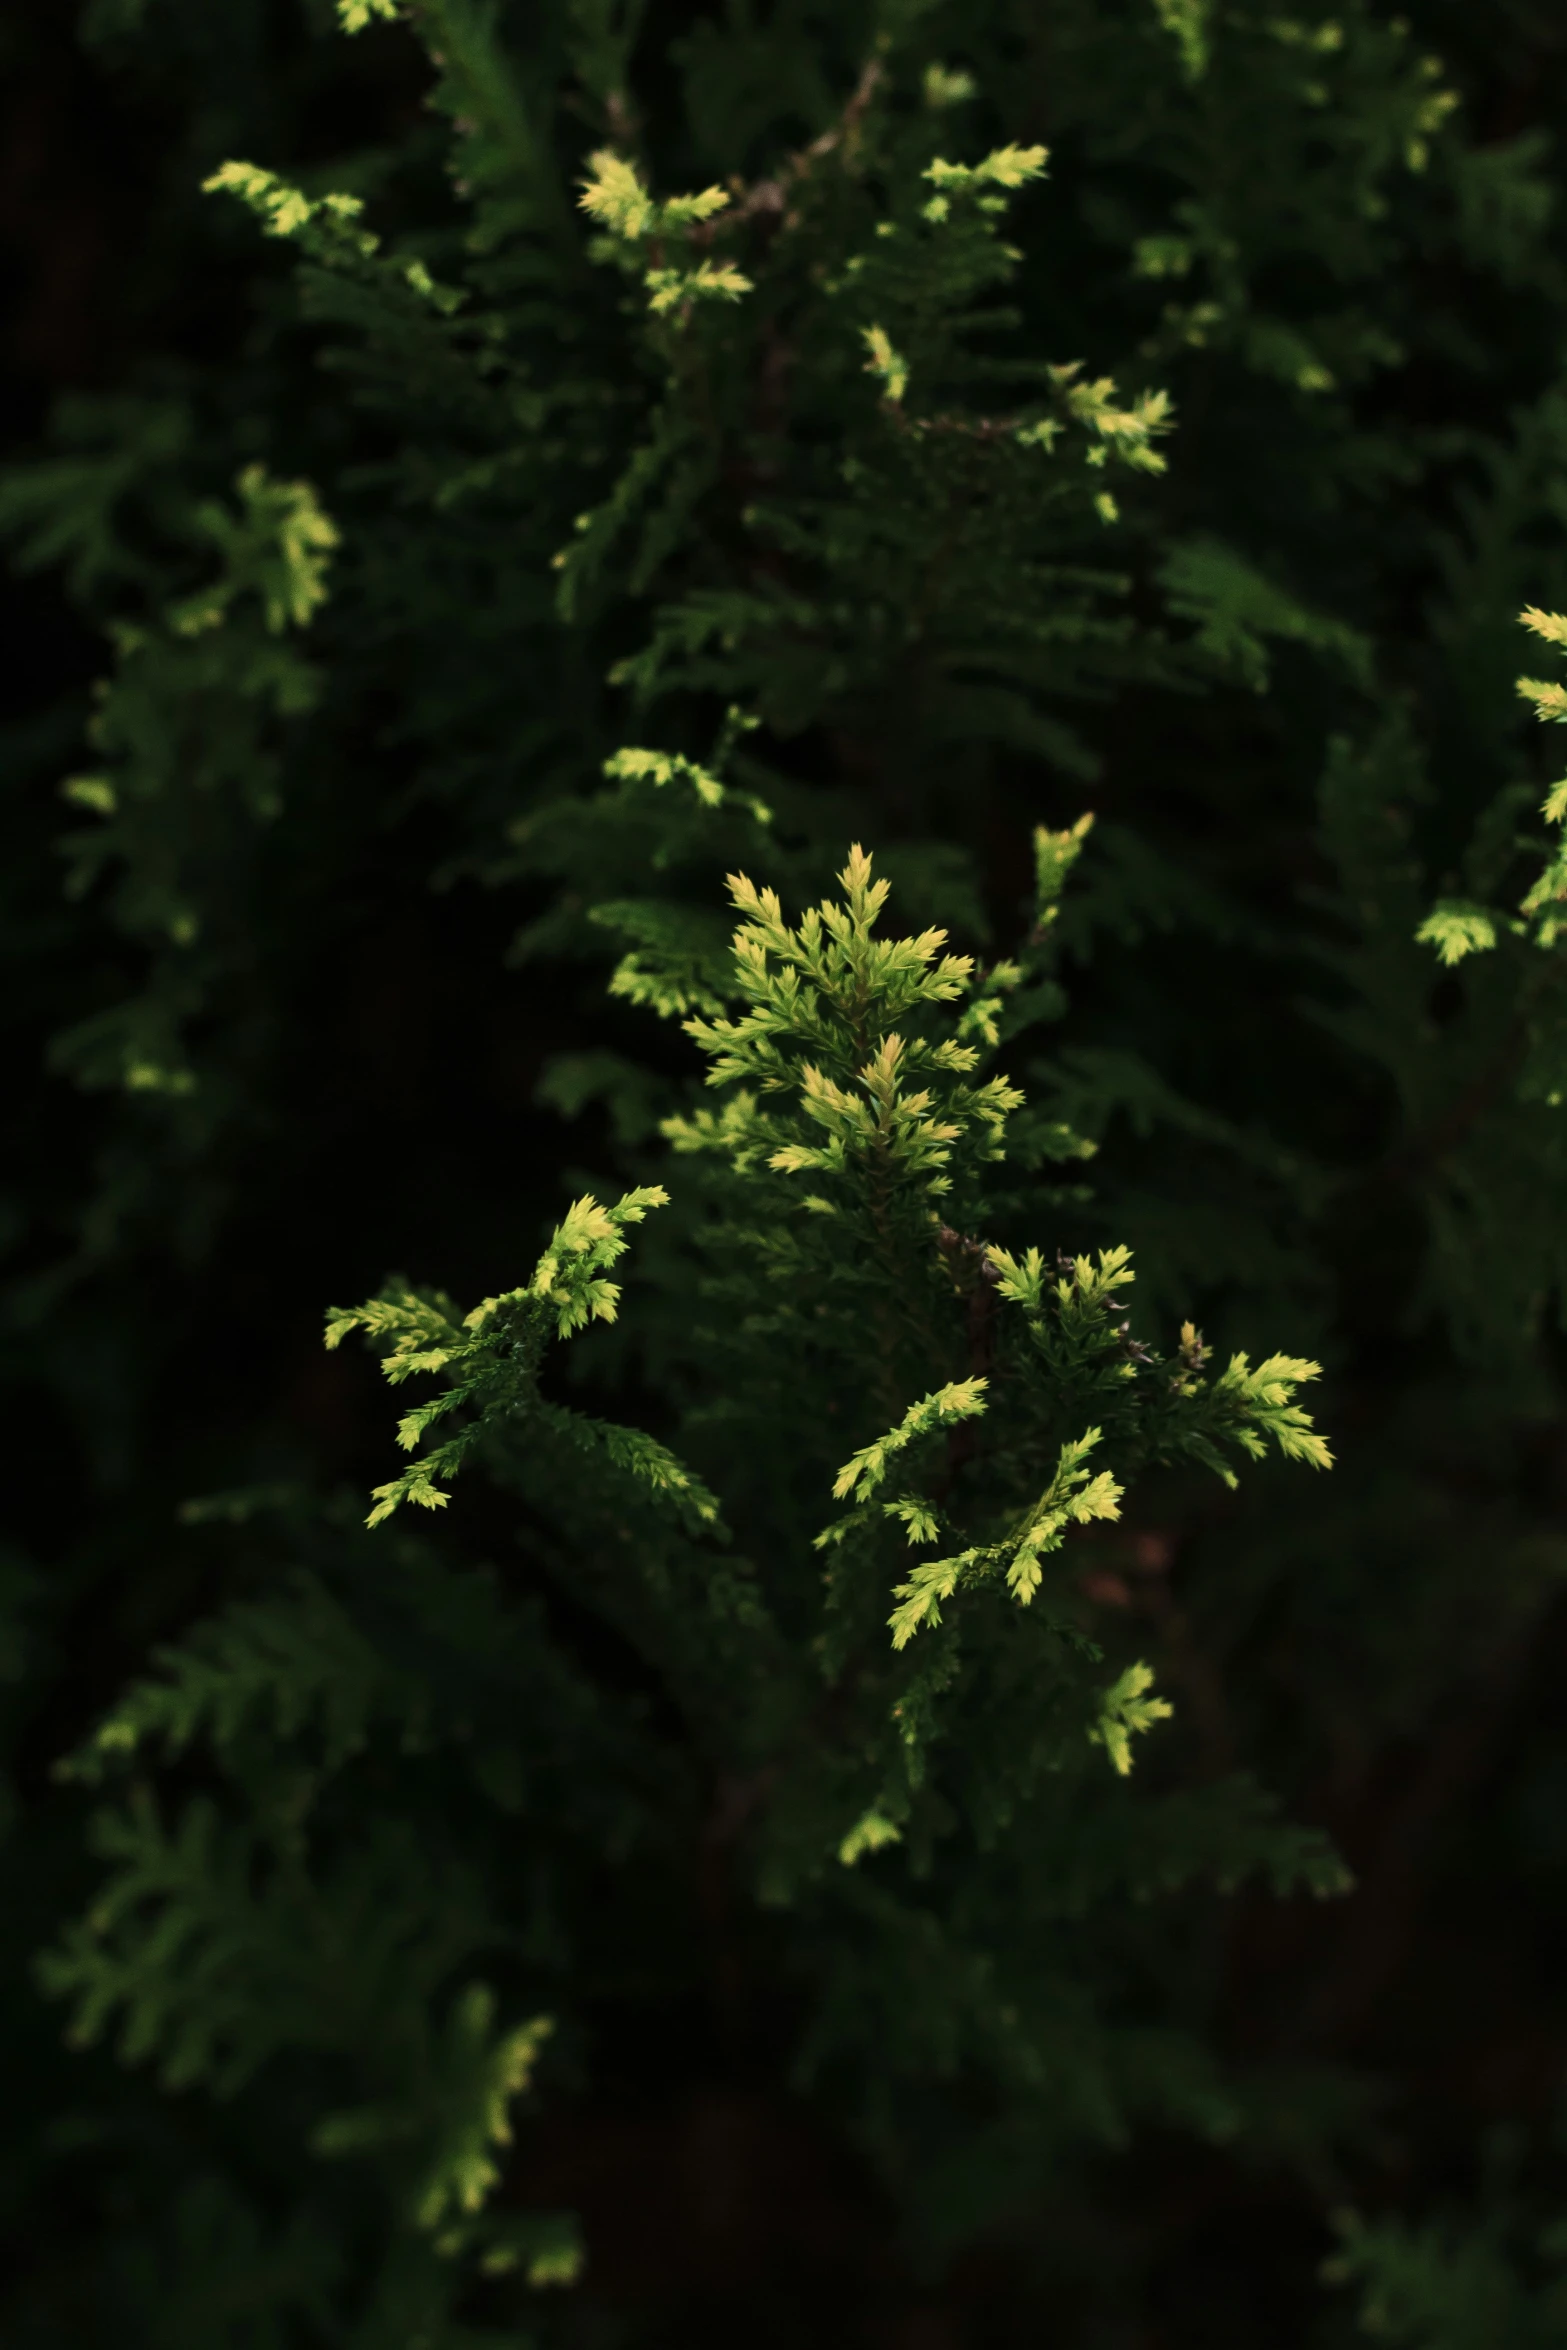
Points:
[(1126, 1711), (1456, 929)]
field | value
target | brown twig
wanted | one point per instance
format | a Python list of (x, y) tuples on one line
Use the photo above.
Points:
[(768, 199)]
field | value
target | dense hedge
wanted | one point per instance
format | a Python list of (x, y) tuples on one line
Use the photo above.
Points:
[(511, 469)]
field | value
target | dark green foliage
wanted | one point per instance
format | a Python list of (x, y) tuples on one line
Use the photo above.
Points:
[(676, 443), (984, 1736)]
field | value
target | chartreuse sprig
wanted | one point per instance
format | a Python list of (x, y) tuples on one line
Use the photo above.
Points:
[(489, 1362), (1073, 1497), (651, 238), (963, 1399), (1545, 901), (328, 230), (1457, 927), (830, 1054)]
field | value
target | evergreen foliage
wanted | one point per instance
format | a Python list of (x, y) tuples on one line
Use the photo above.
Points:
[(873, 1659), (990, 1749)]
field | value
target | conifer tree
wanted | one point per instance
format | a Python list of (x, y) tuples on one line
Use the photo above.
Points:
[(808, 1731), (901, 425)]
